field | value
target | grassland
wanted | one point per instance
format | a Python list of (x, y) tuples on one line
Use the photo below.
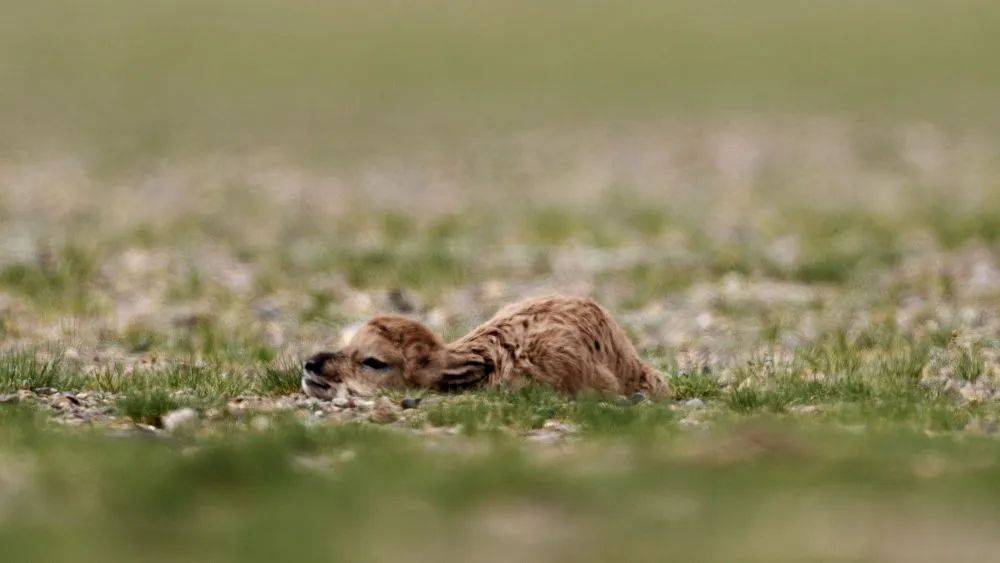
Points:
[(794, 210)]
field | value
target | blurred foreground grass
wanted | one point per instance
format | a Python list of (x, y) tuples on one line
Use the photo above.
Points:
[(757, 490)]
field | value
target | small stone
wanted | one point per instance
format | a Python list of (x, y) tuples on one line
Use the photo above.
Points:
[(804, 409), (552, 432), (637, 398), (695, 403), (44, 390), (971, 393), (65, 402), (313, 464), (309, 403), (180, 420), (364, 405), (384, 412), (342, 402), (559, 426), (147, 430), (410, 402), (10, 399), (689, 422), (83, 416), (72, 399)]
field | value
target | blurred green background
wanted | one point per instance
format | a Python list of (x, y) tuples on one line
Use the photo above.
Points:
[(132, 79)]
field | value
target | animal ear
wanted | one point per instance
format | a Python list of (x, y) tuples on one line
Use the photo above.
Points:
[(463, 375)]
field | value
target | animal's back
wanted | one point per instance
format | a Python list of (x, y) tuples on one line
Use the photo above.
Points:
[(569, 343)]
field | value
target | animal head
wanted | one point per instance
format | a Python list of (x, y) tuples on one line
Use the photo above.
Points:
[(390, 352)]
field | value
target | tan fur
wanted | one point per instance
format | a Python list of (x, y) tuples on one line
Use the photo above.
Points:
[(570, 344)]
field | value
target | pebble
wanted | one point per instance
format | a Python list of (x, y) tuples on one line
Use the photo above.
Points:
[(637, 398), (147, 430), (180, 420), (10, 398), (342, 402), (410, 402), (44, 390), (559, 426), (65, 402), (384, 412), (552, 432), (364, 405), (695, 403)]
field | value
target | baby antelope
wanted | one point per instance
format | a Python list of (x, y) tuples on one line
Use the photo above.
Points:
[(570, 344)]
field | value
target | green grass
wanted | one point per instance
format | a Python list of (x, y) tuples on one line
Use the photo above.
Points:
[(694, 386), (24, 370), (208, 383), (969, 365), (631, 480), (361, 493), (148, 406), (529, 408), (871, 376), (280, 378)]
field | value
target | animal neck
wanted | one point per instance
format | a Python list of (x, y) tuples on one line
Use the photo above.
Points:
[(467, 364)]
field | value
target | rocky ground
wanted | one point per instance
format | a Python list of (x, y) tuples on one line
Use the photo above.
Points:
[(203, 285)]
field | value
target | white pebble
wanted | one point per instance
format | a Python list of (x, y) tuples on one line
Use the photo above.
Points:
[(180, 419), (694, 403)]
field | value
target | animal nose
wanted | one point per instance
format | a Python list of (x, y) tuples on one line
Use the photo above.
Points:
[(315, 363)]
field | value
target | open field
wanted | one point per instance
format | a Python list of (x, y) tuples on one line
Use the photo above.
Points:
[(833, 360), (795, 215)]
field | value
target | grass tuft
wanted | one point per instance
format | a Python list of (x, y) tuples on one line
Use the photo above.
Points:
[(148, 405), (24, 370), (281, 378)]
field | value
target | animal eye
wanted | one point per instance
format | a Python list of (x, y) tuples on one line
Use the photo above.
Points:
[(375, 363)]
